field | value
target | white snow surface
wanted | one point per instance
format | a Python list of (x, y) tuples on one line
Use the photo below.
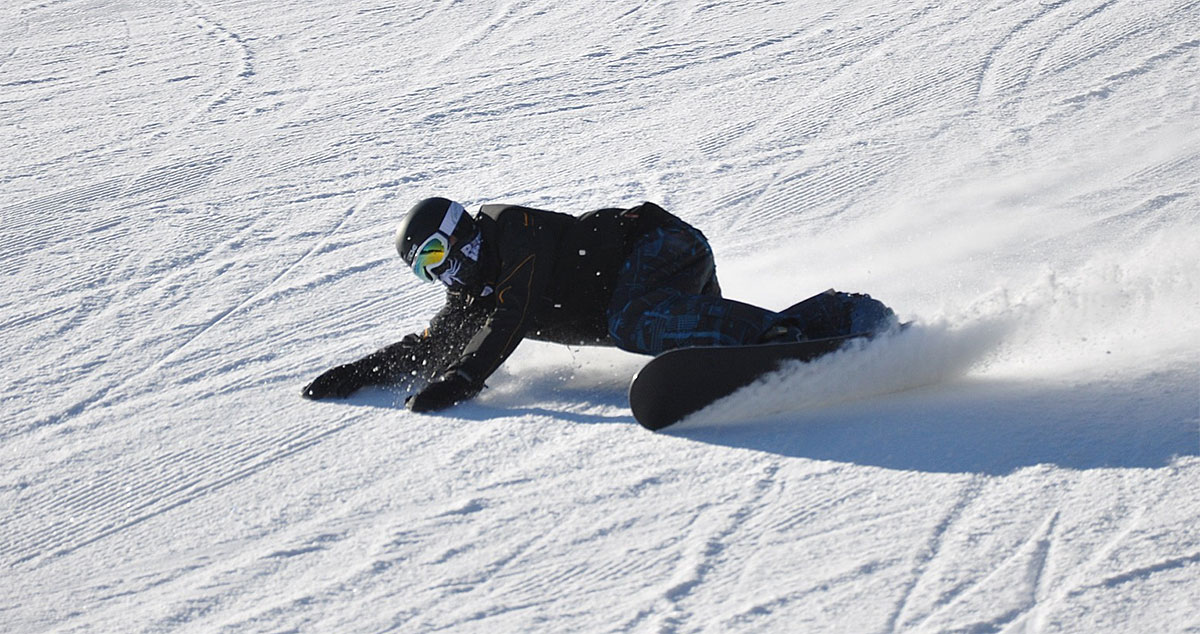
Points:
[(197, 202)]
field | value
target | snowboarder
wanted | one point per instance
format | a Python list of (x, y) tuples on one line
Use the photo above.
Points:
[(640, 279)]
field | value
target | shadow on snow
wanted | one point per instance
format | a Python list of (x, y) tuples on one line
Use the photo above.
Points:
[(982, 425), (987, 426)]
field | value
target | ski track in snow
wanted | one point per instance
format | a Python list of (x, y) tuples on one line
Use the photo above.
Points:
[(198, 197)]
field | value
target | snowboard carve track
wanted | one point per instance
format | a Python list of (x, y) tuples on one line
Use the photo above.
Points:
[(1006, 68), (12, 35), (931, 550), (239, 67), (1031, 558)]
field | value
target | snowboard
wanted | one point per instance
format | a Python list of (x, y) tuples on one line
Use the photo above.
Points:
[(679, 382)]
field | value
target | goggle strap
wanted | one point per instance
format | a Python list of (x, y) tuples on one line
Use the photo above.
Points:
[(450, 220)]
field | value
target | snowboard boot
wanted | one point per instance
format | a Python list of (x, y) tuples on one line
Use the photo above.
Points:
[(835, 314), (869, 315)]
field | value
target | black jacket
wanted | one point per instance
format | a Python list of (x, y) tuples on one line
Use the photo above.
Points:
[(547, 276)]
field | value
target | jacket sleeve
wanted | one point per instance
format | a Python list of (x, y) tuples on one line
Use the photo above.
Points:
[(424, 355), (459, 319), (526, 255)]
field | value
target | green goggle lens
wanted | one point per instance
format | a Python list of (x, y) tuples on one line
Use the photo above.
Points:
[(431, 254)]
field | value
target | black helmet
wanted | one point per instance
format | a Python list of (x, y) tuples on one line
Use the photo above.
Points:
[(437, 238)]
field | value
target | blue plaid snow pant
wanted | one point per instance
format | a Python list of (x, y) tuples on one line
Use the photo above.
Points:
[(667, 296)]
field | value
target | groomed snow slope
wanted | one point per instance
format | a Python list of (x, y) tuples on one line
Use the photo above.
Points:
[(197, 199)]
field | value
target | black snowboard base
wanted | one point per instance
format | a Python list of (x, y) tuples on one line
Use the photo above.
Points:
[(680, 382)]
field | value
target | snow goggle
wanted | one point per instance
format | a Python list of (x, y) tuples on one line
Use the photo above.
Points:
[(436, 248), (430, 255)]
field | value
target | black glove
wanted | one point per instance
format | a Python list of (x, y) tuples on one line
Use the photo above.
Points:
[(449, 389), (338, 382), (392, 364)]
